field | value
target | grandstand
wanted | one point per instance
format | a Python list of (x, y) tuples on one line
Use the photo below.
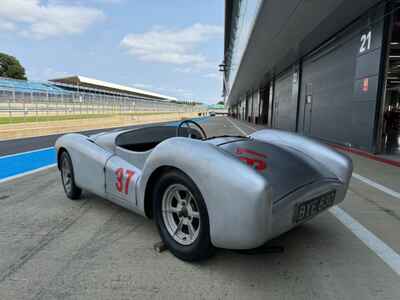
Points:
[(23, 86), (89, 84), (78, 95), (79, 84)]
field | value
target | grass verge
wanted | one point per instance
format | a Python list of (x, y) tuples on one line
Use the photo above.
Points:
[(44, 118)]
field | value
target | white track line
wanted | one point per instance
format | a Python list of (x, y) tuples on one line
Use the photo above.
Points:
[(380, 248), (251, 127), (387, 254), (237, 127), (27, 173), (377, 186), (27, 152)]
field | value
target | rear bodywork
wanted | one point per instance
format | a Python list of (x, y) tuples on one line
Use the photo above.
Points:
[(251, 185), (298, 169)]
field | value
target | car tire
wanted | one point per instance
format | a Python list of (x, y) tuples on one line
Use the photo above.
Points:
[(72, 191), (192, 242)]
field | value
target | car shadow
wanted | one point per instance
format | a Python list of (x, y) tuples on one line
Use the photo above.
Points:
[(292, 250), (277, 246)]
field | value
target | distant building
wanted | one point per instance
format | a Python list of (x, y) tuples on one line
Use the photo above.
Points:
[(84, 83), (217, 109)]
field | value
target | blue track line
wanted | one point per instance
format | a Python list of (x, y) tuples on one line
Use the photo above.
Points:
[(13, 165)]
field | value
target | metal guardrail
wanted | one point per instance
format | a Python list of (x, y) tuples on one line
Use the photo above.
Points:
[(36, 104)]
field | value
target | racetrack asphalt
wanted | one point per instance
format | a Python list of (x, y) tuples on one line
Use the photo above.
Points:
[(8, 147), (54, 248)]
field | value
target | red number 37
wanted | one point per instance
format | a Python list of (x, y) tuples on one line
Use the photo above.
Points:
[(120, 178)]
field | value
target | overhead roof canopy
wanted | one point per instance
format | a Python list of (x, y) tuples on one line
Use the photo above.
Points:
[(112, 87), (285, 31)]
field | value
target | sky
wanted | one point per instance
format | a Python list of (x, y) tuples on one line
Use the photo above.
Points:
[(172, 47)]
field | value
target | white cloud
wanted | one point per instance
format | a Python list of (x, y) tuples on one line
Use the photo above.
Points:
[(40, 20), (6, 26), (172, 46)]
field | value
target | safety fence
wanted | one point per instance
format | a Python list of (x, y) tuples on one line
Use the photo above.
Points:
[(29, 106)]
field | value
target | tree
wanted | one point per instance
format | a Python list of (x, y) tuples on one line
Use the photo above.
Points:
[(221, 102), (10, 67)]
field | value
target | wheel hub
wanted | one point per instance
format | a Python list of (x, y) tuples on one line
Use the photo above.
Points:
[(180, 214), (183, 212)]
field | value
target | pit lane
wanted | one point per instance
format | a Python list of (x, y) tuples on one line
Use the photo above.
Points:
[(51, 247)]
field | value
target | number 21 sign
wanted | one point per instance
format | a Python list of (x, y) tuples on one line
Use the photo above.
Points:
[(365, 42)]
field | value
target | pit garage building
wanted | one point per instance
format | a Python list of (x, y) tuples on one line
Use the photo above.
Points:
[(327, 69)]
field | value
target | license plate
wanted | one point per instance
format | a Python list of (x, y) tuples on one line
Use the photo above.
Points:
[(307, 210)]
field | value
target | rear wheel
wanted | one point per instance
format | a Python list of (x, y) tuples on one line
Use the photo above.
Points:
[(72, 191), (181, 217)]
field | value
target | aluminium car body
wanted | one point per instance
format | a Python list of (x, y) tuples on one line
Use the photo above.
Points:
[(254, 188)]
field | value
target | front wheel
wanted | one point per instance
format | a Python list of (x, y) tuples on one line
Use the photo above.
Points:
[(72, 191), (181, 217)]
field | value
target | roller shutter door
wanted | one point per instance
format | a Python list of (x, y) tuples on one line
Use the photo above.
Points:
[(285, 105), (339, 89)]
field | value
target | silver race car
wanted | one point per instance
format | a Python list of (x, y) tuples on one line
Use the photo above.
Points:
[(234, 192)]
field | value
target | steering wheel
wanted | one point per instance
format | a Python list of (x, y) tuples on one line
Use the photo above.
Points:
[(187, 123)]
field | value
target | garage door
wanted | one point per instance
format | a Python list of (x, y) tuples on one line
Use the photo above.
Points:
[(339, 88), (285, 105)]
